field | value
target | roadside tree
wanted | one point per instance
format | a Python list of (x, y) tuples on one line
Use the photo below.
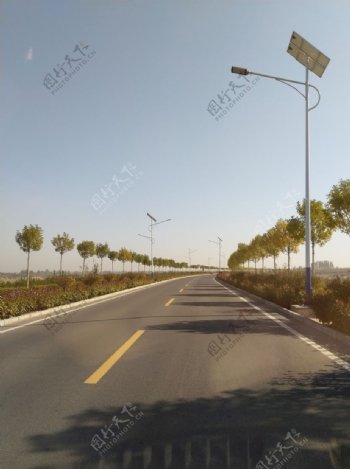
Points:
[(30, 239), (339, 205), (113, 256), (62, 244), (101, 251), (86, 249), (322, 224)]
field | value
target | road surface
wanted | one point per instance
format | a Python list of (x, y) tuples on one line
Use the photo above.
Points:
[(186, 374)]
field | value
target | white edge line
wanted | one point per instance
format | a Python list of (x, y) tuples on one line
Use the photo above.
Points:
[(310, 342)]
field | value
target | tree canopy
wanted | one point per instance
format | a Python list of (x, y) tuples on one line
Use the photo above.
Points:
[(62, 244), (86, 249), (101, 251), (339, 205), (30, 239)]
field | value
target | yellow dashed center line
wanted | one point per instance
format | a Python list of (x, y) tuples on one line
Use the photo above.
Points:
[(112, 360), (169, 302)]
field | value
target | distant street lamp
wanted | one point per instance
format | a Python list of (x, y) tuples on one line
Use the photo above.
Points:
[(150, 228), (314, 61), (190, 251), (219, 244), (224, 259)]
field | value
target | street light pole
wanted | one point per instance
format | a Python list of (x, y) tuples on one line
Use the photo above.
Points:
[(218, 243), (308, 282), (150, 228), (190, 251), (224, 260), (147, 237), (315, 61)]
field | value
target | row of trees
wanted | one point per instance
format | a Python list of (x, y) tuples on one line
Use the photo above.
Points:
[(31, 238), (287, 235), (88, 249)]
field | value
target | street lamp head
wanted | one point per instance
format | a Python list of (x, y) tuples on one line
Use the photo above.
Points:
[(239, 71), (150, 216)]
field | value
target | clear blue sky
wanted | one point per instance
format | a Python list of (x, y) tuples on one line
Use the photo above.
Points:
[(142, 99)]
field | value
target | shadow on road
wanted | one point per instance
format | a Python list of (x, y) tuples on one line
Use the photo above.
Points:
[(232, 325), (236, 429), (201, 295)]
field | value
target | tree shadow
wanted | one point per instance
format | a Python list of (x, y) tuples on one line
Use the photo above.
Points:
[(231, 325), (213, 304), (235, 429), (201, 295)]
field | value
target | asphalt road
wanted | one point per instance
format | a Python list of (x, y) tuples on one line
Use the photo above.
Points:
[(187, 374)]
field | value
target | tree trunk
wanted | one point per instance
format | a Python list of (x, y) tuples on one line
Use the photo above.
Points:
[(112, 267), (263, 263), (61, 264), (101, 265), (131, 266), (274, 262), (138, 267), (28, 269), (83, 265), (123, 267), (255, 264), (288, 252)]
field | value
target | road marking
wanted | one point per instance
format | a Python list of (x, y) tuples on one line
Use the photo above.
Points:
[(308, 341), (112, 360), (169, 302), (181, 290)]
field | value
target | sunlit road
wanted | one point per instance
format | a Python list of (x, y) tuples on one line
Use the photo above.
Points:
[(187, 374)]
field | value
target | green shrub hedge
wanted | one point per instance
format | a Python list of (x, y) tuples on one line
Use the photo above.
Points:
[(63, 290), (331, 297), (332, 304)]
